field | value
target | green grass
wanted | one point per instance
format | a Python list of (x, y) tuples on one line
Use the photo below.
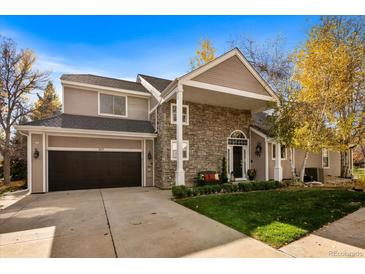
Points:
[(278, 217)]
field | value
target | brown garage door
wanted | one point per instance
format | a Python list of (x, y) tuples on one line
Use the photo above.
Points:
[(69, 170)]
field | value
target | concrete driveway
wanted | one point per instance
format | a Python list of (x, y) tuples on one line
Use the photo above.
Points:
[(120, 222)]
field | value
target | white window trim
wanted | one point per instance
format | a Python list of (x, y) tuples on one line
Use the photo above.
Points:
[(272, 153), (187, 151), (328, 156), (113, 115), (172, 116)]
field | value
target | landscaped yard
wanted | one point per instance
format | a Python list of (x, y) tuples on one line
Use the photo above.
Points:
[(280, 216), (13, 186)]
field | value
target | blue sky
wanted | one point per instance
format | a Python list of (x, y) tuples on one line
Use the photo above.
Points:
[(123, 46)]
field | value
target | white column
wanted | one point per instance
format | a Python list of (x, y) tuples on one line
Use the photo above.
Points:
[(278, 171), (180, 173)]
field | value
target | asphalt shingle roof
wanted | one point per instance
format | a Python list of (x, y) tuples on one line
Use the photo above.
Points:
[(259, 122), (103, 81), (94, 123), (159, 83)]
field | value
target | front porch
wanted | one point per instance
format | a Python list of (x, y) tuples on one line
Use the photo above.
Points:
[(220, 98)]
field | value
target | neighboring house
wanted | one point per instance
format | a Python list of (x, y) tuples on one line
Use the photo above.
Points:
[(157, 132)]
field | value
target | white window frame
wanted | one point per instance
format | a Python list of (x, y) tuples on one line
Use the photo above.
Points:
[(187, 150), (273, 149), (172, 116), (109, 114), (328, 156)]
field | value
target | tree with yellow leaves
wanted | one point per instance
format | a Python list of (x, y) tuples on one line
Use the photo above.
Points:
[(204, 54), (47, 105), (330, 70), (18, 80)]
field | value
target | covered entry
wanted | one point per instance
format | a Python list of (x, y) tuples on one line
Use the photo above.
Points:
[(70, 170)]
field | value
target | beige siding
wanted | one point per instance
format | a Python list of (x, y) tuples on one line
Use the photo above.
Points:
[(257, 162), (100, 143), (335, 164), (85, 102), (149, 163), (37, 164), (233, 74), (80, 101), (137, 108)]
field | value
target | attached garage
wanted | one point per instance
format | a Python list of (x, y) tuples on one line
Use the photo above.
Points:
[(70, 152), (70, 170)]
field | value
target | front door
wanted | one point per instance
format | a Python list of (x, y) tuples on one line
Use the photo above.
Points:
[(237, 162)]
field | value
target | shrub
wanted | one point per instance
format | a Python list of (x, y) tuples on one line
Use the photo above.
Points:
[(227, 187), (179, 192), (234, 187), (207, 189), (18, 169), (194, 191), (216, 188), (257, 185), (223, 179), (245, 187)]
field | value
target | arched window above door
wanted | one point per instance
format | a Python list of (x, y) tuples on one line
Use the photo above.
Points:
[(237, 138)]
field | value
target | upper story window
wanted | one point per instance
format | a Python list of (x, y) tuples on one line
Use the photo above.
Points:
[(114, 105), (325, 158), (282, 152), (185, 115)]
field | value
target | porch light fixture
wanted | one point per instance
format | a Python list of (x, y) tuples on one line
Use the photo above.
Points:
[(149, 156), (258, 149), (36, 154)]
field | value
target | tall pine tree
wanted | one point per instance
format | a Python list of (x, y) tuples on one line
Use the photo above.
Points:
[(47, 105)]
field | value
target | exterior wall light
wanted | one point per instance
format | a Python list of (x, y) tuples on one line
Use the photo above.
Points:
[(258, 149), (36, 154)]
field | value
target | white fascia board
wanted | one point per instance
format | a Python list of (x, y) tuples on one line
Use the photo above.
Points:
[(150, 88), (101, 88), (231, 91), (261, 134), (85, 131)]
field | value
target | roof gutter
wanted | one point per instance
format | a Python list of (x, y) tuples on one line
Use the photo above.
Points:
[(86, 131), (100, 88)]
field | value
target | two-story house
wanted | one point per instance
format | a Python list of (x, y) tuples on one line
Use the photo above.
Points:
[(158, 132)]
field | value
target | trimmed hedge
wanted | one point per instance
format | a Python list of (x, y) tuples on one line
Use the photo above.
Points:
[(182, 191)]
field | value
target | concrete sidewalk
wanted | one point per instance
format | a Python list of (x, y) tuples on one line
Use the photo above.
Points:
[(344, 238)]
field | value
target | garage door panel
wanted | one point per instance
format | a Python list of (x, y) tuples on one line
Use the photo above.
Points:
[(82, 170)]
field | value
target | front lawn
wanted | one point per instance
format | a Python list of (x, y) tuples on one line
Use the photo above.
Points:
[(278, 217)]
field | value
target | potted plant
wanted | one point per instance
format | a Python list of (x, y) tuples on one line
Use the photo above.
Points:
[(251, 173)]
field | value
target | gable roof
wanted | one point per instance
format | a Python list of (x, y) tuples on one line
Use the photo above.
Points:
[(158, 83), (233, 52), (103, 81), (71, 121)]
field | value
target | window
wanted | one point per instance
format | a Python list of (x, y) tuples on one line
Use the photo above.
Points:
[(282, 152), (174, 150), (185, 115), (237, 138), (112, 105), (325, 158)]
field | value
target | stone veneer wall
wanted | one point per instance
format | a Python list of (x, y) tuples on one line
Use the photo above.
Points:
[(207, 133)]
